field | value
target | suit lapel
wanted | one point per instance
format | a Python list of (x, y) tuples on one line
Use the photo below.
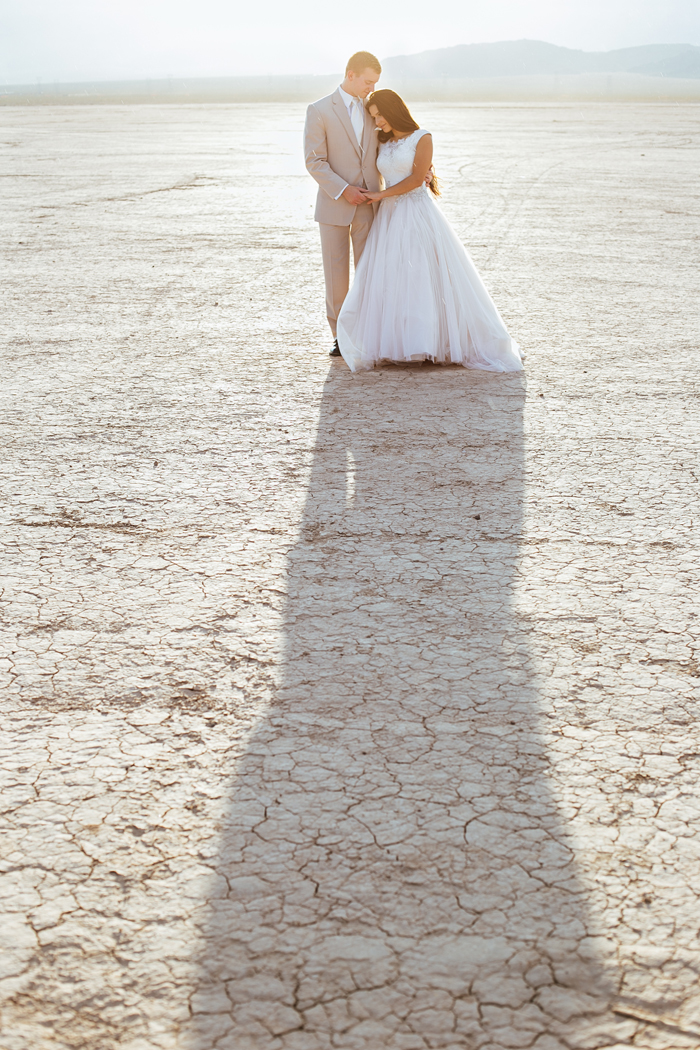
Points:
[(344, 118)]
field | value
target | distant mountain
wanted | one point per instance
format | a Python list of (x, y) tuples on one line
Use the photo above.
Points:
[(686, 64), (535, 57)]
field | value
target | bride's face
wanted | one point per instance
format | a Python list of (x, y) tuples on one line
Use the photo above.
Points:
[(379, 120)]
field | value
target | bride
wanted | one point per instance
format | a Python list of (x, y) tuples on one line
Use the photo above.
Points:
[(417, 295)]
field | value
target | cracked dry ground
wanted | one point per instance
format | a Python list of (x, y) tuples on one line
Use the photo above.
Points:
[(347, 711)]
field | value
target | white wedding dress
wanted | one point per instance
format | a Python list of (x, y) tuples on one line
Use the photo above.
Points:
[(416, 292)]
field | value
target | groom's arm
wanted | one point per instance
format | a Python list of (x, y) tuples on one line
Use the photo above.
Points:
[(316, 155)]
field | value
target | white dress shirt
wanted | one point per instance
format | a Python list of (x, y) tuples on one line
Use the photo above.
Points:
[(356, 112)]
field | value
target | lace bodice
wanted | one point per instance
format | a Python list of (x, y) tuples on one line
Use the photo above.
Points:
[(395, 158)]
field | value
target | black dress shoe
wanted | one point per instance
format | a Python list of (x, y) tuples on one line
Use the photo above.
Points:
[(335, 350)]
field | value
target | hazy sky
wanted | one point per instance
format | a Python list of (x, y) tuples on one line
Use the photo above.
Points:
[(121, 39)]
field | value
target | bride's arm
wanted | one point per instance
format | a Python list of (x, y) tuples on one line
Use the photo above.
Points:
[(421, 165)]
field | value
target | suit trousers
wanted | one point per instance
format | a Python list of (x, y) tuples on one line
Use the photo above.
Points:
[(335, 248)]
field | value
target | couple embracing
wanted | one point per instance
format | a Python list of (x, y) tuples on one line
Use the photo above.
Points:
[(416, 295)]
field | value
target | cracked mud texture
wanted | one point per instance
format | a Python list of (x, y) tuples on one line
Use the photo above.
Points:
[(347, 711)]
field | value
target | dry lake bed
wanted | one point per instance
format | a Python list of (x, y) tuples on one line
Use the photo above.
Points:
[(340, 711)]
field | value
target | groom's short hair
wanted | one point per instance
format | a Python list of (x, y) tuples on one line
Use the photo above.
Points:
[(361, 61)]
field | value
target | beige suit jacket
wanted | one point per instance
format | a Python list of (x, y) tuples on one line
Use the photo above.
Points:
[(334, 158)]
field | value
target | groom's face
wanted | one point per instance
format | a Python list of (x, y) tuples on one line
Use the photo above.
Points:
[(362, 83)]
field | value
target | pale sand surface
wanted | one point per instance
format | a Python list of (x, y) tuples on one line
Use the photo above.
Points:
[(347, 711)]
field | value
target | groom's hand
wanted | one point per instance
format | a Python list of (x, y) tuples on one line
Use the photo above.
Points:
[(354, 195)]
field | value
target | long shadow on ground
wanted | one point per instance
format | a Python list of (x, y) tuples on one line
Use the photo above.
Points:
[(399, 874)]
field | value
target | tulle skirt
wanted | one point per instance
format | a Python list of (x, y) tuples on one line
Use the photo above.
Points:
[(417, 295)]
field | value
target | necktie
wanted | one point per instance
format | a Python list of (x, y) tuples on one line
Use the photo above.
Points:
[(357, 119)]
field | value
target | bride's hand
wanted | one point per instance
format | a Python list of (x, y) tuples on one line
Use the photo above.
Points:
[(374, 196)]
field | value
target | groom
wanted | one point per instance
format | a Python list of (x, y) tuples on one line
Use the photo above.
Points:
[(340, 145)]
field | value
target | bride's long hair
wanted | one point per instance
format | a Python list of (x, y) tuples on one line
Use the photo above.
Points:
[(395, 111)]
